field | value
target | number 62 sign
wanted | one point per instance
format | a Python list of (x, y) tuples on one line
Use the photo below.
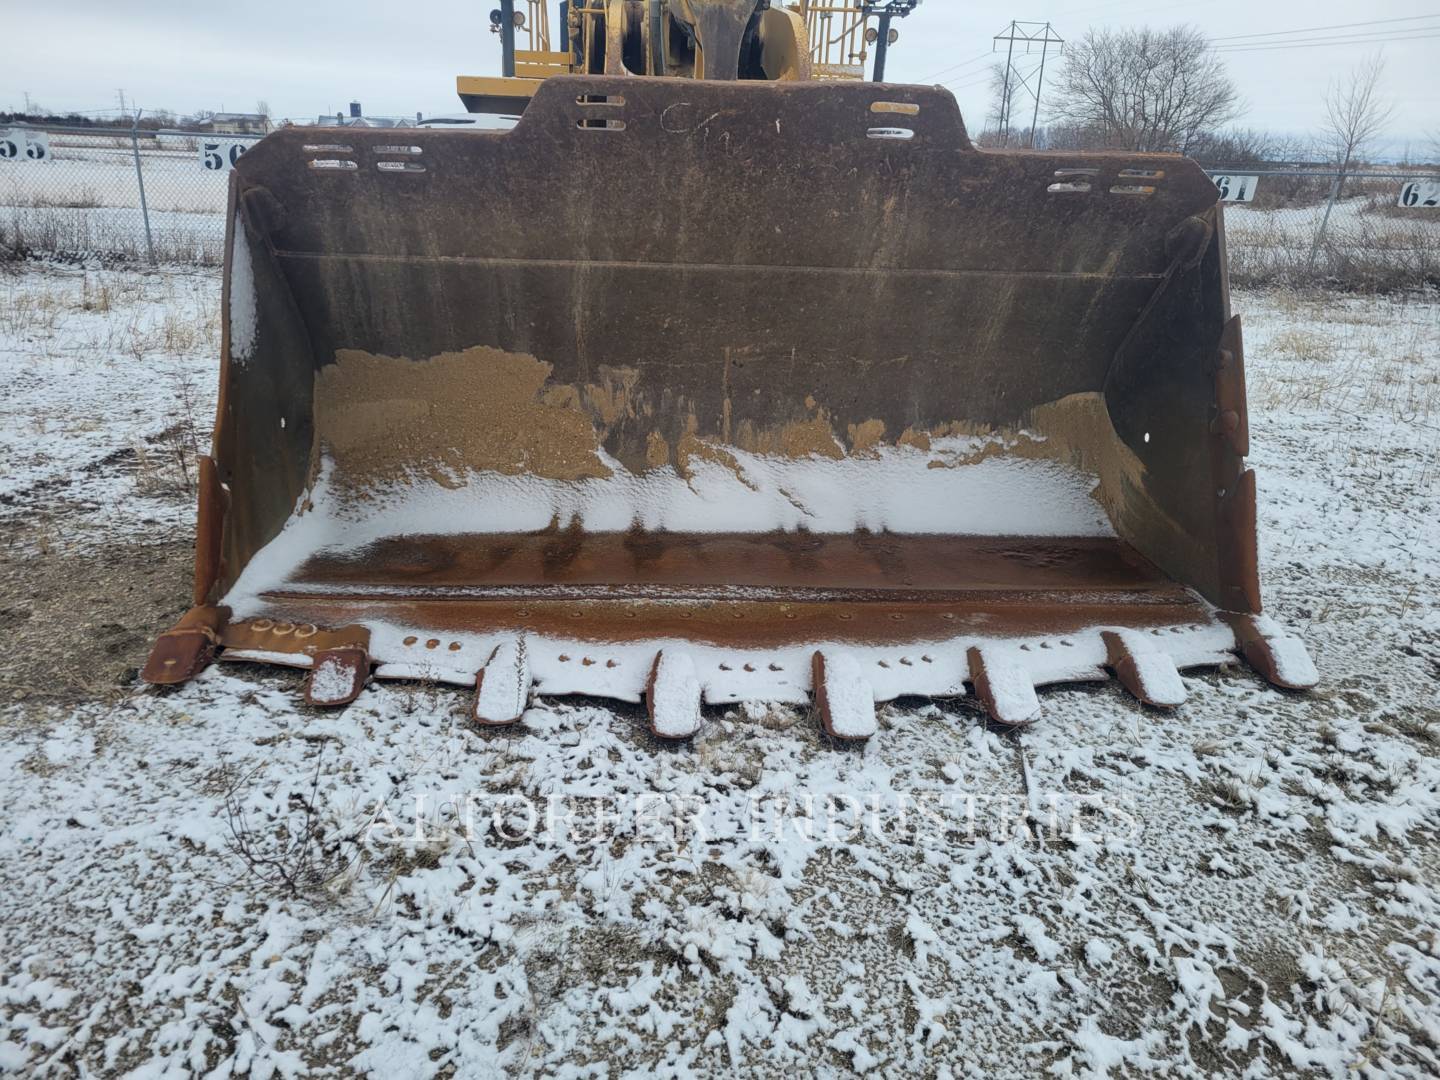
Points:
[(1420, 193), (218, 155)]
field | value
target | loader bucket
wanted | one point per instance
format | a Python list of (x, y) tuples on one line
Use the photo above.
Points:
[(713, 391)]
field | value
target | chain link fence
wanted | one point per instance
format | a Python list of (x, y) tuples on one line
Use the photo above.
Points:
[(112, 194), (78, 193), (1370, 230)]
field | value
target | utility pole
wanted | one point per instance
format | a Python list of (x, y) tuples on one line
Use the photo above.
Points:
[(1005, 92), (123, 111), (1028, 34)]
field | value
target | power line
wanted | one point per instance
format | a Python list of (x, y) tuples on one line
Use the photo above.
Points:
[(956, 67), (1337, 26), (989, 76), (1418, 33)]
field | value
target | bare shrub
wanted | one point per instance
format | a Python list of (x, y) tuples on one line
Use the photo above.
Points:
[(1361, 256), (304, 853)]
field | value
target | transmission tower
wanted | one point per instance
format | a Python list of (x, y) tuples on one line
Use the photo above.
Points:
[(1029, 34)]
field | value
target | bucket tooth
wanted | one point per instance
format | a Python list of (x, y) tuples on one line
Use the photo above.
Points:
[(1147, 672), (337, 676), (1278, 655), (182, 652), (502, 688), (672, 695), (1005, 689), (843, 696)]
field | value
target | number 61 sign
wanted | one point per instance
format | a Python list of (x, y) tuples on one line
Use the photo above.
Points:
[(1236, 188), (218, 155)]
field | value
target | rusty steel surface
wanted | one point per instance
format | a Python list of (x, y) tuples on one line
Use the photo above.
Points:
[(762, 590), (776, 566), (749, 596), (780, 268), (750, 255)]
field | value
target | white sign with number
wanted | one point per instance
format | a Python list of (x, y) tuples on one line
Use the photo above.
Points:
[(1420, 193), (24, 144), (218, 155), (1236, 188)]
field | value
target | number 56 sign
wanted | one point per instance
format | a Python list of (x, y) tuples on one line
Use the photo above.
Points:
[(218, 155)]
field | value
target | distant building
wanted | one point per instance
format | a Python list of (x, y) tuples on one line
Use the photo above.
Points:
[(229, 123), (357, 119)]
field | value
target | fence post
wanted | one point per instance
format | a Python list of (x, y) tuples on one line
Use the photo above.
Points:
[(140, 180), (1320, 232)]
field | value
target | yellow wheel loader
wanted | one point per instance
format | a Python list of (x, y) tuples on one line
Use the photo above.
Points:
[(723, 375)]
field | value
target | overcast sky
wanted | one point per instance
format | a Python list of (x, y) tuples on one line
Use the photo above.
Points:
[(311, 57)]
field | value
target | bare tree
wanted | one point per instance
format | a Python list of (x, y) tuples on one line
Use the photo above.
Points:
[(1355, 115), (1144, 89), (262, 108), (1000, 97)]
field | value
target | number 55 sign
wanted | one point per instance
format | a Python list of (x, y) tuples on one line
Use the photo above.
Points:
[(20, 144), (218, 155)]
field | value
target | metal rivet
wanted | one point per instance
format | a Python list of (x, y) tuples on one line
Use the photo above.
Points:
[(897, 616), (522, 612), (846, 615), (433, 643), (262, 624), (749, 667), (587, 662), (563, 658), (454, 646), (308, 629), (411, 640), (612, 663), (283, 628), (948, 617)]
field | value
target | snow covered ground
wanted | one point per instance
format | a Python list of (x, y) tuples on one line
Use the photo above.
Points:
[(84, 199), (220, 880)]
